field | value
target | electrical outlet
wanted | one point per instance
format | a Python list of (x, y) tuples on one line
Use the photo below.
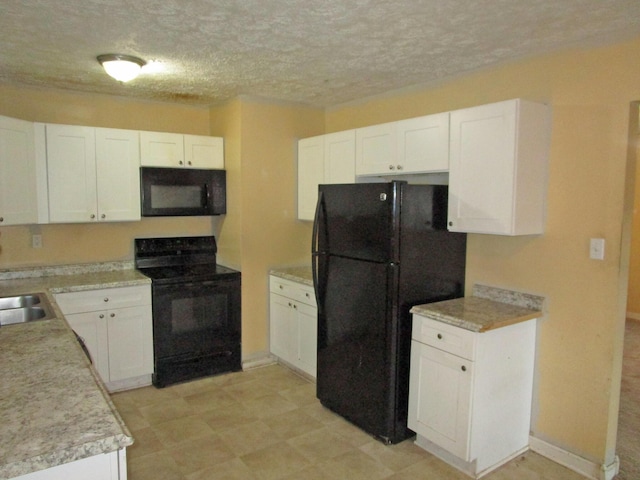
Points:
[(36, 241), (596, 249)]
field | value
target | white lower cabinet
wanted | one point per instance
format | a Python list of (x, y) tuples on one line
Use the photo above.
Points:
[(293, 324), (106, 466), (116, 326), (470, 393)]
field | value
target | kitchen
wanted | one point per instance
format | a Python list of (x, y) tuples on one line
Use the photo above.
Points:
[(580, 341)]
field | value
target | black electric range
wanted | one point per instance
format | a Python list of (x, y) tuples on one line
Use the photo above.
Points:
[(196, 308)]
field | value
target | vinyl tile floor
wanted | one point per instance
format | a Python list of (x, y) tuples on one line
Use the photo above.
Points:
[(266, 424)]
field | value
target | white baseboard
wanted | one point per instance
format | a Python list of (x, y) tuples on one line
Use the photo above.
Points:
[(574, 462), (128, 383), (633, 315), (257, 360)]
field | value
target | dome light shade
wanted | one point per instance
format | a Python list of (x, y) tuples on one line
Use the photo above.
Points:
[(123, 68)]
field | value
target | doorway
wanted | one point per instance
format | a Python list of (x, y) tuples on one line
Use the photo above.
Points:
[(627, 446)]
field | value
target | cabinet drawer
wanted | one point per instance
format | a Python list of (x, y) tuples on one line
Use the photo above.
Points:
[(442, 336), (293, 290), (103, 299)]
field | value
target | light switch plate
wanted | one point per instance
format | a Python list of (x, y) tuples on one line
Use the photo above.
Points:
[(36, 241), (596, 249)]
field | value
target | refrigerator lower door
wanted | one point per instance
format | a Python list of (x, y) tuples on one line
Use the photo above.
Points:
[(356, 335)]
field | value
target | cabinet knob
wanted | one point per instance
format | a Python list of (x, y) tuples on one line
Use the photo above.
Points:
[(307, 295), (189, 163), (113, 315), (391, 167), (463, 368), (103, 216), (399, 167), (451, 224), (1, 219), (295, 306), (106, 299), (281, 287), (290, 304), (180, 162), (439, 336), (101, 315), (93, 216)]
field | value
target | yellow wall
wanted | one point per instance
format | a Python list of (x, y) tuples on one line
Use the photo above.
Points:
[(261, 163), (580, 338)]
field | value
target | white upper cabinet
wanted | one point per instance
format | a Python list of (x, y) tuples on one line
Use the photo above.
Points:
[(339, 157), (310, 174), (413, 146), (376, 150), (160, 149), (118, 174), (18, 185), (71, 173), (203, 152), (423, 144), (323, 159), (76, 155), (498, 168)]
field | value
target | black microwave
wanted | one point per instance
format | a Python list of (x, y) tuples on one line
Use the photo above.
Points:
[(172, 192)]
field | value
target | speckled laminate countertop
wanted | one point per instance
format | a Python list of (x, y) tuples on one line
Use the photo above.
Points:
[(53, 407), (295, 274), (487, 309)]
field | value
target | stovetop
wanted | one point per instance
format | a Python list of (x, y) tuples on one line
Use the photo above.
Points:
[(179, 259), (188, 272)]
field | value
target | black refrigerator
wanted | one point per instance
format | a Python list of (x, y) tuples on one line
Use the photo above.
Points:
[(378, 249)]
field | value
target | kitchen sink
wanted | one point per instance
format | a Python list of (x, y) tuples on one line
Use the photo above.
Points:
[(24, 308)]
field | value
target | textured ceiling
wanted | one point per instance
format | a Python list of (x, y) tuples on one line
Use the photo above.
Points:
[(319, 53)]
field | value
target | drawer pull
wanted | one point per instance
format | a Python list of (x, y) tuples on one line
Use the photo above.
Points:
[(439, 336), (464, 369)]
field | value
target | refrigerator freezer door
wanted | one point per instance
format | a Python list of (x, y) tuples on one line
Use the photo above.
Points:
[(356, 356), (358, 221)]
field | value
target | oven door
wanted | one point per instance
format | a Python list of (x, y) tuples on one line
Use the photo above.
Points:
[(196, 328)]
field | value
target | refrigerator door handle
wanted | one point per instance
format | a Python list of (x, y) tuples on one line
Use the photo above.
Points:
[(316, 222), (314, 250)]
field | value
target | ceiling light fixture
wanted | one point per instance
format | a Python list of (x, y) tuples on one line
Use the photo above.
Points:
[(121, 67)]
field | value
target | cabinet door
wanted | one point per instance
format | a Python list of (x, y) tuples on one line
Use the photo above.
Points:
[(310, 175), (203, 152), (498, 165), (307, 341), (340, 157), (423, 144), (159, 149), (282, 328), (440, 398), (103, 466), (118, 174), (92, 327), (130, 342), (18, 187), (376, 150), (71, 173)]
